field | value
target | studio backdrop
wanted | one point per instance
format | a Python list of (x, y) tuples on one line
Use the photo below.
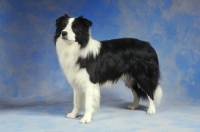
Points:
[(29, 69)]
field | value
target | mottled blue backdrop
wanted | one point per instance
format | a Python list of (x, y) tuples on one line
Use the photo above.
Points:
[(29, 69)]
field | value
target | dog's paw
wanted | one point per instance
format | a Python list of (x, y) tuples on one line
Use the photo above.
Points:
[(71, 115), (131, 106), (151, 111), (85, 120)]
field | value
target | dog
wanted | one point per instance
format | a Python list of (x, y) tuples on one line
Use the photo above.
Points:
[(89, 64)]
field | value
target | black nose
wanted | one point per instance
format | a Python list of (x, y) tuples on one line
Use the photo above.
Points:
[(64, 33)]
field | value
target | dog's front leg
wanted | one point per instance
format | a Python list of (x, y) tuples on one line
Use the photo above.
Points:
[(76, 102), (92, 97)]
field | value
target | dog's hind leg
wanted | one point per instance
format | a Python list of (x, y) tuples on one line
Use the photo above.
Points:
[(148, 87), (152, 108), (157, 99), (130, 82), (135, 101)]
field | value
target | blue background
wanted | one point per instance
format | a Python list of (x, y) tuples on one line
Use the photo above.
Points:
[(29, 69)]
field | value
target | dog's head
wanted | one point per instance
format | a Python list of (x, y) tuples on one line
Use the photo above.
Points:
[(73, 29)]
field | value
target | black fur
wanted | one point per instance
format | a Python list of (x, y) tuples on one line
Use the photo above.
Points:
[(61, 23), (125, 56), (117, 57), (80, 27)]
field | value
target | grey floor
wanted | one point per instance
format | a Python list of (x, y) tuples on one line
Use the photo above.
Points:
[(112, 116)]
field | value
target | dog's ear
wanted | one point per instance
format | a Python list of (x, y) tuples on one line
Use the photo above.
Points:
[(61, 19), (85, 21)]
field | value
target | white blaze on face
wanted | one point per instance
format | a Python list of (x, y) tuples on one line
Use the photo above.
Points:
[(70, 34)]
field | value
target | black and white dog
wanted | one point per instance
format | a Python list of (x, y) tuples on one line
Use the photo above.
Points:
[(89, 64)]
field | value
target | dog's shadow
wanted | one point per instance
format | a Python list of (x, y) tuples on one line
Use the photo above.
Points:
[(124, 106), (116, 105), (119, 106)]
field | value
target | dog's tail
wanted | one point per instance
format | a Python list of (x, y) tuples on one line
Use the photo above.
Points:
[(158, 95)]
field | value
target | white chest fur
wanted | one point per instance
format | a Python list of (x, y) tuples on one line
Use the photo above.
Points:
[(68, 53)]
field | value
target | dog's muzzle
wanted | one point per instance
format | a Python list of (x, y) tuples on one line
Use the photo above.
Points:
[(64, 35)]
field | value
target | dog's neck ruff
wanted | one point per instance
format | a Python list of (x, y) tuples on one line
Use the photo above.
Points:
[(69, 52), (92, 48)]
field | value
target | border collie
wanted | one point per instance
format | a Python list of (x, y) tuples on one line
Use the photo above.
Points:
[(89, 64)]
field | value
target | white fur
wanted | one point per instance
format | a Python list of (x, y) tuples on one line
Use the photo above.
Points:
[(93, 47), (84, 90), (158, 95), (68, 54), (157, 99), (152, 108), (71, 35), (107, 84)]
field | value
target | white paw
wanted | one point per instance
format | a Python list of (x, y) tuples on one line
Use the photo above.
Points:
[(85, 120), (71, 115), (151, 111), (131, 106)]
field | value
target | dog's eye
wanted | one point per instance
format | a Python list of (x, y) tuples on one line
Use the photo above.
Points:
[(64, 25), (76, 31)]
